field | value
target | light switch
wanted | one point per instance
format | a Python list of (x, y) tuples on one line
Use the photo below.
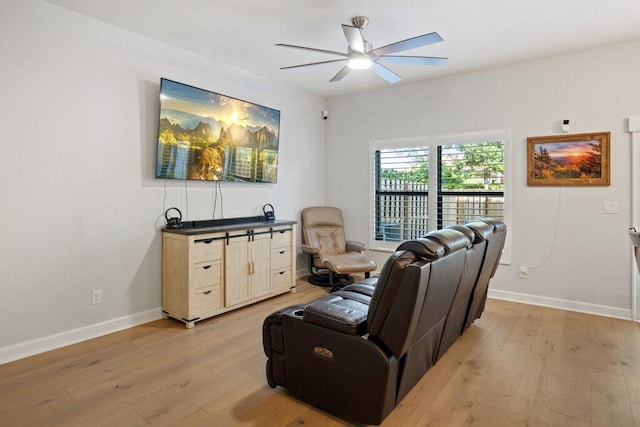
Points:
[(610, 207)]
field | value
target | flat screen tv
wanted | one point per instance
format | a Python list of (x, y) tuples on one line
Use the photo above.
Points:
[(207, 136)]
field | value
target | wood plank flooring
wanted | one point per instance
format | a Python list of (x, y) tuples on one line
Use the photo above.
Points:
[(518, 365)]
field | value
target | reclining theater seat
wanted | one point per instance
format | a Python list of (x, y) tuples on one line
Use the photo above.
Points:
[(473, 263), (495, 245), (444, 279), (323, 238), (357, 352)]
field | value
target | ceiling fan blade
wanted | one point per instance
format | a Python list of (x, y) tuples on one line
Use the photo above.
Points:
[(385, 73), (330, 52), (354, 38), (341, 74), (413, 60), (412, 43), (313, 63)]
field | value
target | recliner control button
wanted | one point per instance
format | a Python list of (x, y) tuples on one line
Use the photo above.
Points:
[(323, 352)]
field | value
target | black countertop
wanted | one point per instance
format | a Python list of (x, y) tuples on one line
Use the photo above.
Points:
[(222, 225)]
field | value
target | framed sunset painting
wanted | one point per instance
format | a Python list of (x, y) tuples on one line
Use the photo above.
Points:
[(569, 160)]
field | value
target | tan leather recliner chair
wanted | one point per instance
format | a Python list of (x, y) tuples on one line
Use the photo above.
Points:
[(332, 259)]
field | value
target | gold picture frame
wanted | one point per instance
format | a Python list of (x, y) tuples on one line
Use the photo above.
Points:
[(569, 160)]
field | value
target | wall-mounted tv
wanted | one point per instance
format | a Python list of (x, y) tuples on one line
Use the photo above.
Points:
[(207, 136)]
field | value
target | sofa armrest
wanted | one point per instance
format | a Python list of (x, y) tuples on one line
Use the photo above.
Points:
[(355, 246), (272, 339), (310, 250), (343, 315)]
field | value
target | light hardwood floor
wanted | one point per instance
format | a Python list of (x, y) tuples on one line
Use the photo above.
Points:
[(518, 365)]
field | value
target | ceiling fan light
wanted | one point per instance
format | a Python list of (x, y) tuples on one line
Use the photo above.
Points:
[(359, 62)]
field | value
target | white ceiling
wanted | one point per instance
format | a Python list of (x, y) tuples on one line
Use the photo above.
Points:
[(477, 33)]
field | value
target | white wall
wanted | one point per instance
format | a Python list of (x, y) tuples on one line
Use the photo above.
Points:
[(589, 265), (81, 209)]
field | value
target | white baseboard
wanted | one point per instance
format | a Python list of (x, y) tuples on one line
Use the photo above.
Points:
[(51, 342), (581, 307)]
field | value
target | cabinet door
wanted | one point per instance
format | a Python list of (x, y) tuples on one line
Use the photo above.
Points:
[(237, 271), (260, 257)]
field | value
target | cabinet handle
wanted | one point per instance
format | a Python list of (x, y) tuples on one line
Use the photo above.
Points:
[(281, 273), (206, 241), (206, 267), (281, 252), (207, 293)]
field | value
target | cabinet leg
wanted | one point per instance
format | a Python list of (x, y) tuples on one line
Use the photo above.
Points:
[(190, 325), (293, 290)]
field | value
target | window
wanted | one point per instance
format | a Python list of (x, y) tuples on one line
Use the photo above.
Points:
[(470, 182), (430, 183), (401, 193)]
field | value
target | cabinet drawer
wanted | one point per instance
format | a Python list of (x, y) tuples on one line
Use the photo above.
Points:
[(280, 259), (206, 249), (206, 300), (281, 279), (281, 238), (206, 274)]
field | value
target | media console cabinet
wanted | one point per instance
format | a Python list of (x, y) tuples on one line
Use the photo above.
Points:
[(214, 266)]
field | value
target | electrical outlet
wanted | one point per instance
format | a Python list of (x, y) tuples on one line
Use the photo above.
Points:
[(610, 207), (524, 272), (96, 297)]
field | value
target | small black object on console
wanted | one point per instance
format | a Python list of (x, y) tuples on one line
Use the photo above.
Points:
[(175, 221), (269, 213)]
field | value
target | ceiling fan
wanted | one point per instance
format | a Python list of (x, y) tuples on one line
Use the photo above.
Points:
[(361, 54)]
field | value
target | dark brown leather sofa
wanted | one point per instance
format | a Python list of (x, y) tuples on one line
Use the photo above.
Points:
[(357, 352)]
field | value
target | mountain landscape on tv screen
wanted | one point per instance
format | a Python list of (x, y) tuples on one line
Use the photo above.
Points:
[(207, 131)]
